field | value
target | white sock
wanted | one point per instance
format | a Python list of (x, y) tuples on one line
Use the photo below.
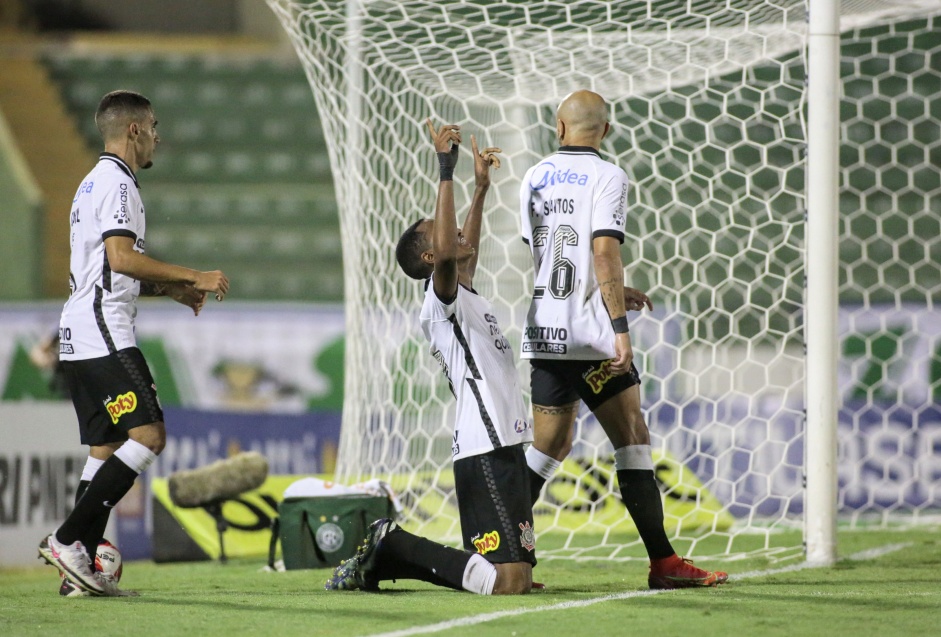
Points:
[(542, 464), (92, 465), (633, 457), (479, 576), (136, 456)]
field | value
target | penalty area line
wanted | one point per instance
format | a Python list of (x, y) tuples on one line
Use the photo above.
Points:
[(488, 617)]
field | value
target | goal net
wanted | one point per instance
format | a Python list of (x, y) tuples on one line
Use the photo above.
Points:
[(707, 109)]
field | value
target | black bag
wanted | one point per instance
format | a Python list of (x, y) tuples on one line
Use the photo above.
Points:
[(322, 531)]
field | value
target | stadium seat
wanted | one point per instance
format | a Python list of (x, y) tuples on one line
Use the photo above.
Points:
[(242, 179)]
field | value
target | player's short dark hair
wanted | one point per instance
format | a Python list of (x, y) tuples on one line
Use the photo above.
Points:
[(408, 252), (117, 108)]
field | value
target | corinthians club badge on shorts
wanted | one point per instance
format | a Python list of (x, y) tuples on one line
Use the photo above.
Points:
[(527, 537)]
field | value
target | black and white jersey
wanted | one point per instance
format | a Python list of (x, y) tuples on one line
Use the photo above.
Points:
[(566, 200), (98, 318), (475, 356)]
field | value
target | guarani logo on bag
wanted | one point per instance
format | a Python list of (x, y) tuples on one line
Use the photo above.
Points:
[(329, 537)]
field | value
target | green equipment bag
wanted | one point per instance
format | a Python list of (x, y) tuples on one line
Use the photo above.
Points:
[(322, 531)]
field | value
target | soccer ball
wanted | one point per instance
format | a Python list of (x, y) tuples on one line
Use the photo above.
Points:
[(108, 561)]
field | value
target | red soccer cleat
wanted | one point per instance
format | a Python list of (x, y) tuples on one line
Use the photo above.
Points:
[(679, 572)]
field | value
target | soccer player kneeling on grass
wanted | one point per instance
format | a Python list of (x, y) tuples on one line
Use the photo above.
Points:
[(490, 473)]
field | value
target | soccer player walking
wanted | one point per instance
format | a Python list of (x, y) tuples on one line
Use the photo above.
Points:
[(490, 473), (572, 206), (111, 387)]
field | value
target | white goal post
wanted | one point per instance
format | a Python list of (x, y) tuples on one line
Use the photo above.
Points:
[(727, 151)]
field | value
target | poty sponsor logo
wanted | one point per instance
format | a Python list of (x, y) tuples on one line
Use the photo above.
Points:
[(596, 379), (520, 425), (546, 174), (488, 543), (123, 404)]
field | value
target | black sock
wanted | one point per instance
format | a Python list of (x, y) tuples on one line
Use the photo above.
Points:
[(111, 482), (82, 485), (642, 499), (97, 529), (407, 556), (536, 483)]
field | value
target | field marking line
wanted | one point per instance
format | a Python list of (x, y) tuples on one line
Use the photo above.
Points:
[(487, 617)]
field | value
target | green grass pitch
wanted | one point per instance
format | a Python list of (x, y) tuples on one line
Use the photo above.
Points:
[(894, 590)]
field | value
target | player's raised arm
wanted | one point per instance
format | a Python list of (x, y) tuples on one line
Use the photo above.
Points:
[(483, 160), (445, 240)]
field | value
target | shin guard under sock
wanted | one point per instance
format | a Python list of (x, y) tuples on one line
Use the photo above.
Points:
[(642, 498)]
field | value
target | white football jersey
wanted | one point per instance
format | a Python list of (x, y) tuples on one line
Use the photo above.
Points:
[(98, 318), (476, 358), (566, 200)]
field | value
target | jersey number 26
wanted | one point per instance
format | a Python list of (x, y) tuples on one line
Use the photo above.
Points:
[(562, 278)]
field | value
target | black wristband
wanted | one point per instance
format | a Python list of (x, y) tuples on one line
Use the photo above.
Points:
[(620, 325), (446, 166)]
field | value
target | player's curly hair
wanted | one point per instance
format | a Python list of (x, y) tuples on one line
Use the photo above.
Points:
[(408, 252), (117, 108)]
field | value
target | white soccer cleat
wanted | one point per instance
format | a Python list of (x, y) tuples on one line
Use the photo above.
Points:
[(68, 589), (72, 561)]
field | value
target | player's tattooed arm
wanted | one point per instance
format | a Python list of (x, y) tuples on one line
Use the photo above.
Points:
[(148, 288), (610, 272)]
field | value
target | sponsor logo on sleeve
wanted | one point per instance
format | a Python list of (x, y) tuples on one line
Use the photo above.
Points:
[(121, 213), (527, 536), (618, 214), (488, 543), (123, 404)]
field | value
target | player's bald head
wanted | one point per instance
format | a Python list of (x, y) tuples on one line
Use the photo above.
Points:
[(117, 110), (584, 115)]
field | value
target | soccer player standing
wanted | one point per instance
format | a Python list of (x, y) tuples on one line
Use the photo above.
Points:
[(572, 206), (110, 384), (490, 473)]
